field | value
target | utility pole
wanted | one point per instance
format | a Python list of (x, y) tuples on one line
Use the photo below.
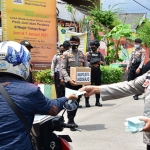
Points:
[(141, 5)]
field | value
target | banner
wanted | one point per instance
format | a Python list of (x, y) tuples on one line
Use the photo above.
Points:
[(34, 21), (66, 34)]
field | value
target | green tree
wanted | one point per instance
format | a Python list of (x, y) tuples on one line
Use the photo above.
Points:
[(113, 29), (144, 32)]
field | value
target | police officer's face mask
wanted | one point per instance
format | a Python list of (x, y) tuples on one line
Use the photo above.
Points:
[(93, 48), (74, 46), (137, 46)]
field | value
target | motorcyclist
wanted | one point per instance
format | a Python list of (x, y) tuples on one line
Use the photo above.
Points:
[(14, 70)]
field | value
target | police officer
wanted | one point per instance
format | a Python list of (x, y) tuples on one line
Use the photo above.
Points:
[(136, 62), (29, 47), (72, 58), (95, 59), (66, 46), (55, 73)]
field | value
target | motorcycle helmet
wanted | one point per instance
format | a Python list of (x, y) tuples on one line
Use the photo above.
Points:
[(95, 42), (14, 59)]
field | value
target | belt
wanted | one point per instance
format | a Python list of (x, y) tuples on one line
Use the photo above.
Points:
[(56, 69)]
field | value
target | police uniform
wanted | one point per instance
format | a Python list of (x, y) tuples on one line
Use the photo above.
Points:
[(94, 58), (136, 61), (72, 59), (55, 71), (124, 89)]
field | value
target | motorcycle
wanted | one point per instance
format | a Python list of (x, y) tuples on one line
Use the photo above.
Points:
[(44, 126)]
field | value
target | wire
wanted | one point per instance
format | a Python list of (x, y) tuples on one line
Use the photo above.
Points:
[(142, 5)]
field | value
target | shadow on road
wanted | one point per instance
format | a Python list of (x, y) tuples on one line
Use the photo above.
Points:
[(104, 105), (109, 105), (92, 127)]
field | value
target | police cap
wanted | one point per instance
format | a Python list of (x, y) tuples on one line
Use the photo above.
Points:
[(75, 38), (26, 43), (138, 41), (95, 42)]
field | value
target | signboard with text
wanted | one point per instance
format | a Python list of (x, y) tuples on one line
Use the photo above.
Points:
[(34, 21)]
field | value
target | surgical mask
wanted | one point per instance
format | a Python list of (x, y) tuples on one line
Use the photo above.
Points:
[(93, 49), (134, 124), (74, 46), (137, 46)]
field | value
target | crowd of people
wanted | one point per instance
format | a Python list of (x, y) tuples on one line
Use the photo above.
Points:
[(16, 78)]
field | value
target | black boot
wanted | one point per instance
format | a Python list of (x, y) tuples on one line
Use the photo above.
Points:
[(98, 103), (71, 116), (136, 97), (87, 102), (80, 106), (71, 121)]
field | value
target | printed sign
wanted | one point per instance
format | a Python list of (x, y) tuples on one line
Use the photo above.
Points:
[(34, 21), (83, 77), (65, 34)]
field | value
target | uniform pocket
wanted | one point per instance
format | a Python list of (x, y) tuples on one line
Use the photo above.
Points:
[(81, 60), (71, 62)]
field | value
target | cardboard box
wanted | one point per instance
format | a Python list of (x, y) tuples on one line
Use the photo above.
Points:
[(81, 75)]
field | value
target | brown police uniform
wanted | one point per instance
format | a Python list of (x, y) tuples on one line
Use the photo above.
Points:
[(55, 71), (136, 61), (72, 59)]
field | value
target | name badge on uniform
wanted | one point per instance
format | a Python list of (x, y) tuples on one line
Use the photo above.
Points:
[(94, 54), (146, 83)]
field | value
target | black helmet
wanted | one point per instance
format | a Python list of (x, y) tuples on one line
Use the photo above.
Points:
[(95, 42), (66, 44)]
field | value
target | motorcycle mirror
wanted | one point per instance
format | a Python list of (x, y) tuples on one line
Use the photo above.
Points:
[(71, 105)]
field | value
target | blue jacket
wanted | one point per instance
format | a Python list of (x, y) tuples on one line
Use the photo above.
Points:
[(30, 100)]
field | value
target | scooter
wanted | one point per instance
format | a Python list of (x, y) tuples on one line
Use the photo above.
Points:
[(44, 126)]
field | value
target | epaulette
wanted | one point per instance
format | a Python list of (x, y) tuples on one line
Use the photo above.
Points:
[(58, 54)]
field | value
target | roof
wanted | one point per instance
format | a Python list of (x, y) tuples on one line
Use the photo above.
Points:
[(65, 15), (134, 19)]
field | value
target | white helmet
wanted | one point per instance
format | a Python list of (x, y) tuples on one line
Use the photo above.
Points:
[(14, 59)]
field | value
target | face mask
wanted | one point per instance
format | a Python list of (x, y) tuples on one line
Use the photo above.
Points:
[(137, 46), (74, 46), (62, 51), (93, 49)]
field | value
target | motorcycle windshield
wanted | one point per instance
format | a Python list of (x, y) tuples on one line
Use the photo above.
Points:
[(41, 118)]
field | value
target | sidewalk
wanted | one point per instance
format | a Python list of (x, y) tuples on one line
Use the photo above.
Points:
[(103, 127)]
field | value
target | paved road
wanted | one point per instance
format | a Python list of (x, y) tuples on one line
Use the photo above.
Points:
[(103, 128)]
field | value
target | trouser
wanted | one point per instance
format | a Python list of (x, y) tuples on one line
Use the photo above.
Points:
[(146, 67), (72, 114), (132, 73), (96, 78), (148, 147), (60, 89)]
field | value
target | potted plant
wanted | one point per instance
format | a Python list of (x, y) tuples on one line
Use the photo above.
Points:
[(45, 82)]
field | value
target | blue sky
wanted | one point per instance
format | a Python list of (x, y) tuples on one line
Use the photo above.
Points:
[(130, 6)]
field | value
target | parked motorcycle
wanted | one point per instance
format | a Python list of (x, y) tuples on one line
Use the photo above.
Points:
[(44, 126)]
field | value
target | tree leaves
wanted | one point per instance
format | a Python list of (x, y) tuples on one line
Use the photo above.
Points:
[(111, 74), (43, 76)]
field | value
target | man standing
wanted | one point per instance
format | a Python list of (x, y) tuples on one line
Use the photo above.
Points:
[(72, 58), (66, 46), (136, 62), (55, 71), (29, 47), (95, 59)]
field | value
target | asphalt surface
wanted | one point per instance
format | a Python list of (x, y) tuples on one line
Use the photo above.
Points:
[(103, 127)]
